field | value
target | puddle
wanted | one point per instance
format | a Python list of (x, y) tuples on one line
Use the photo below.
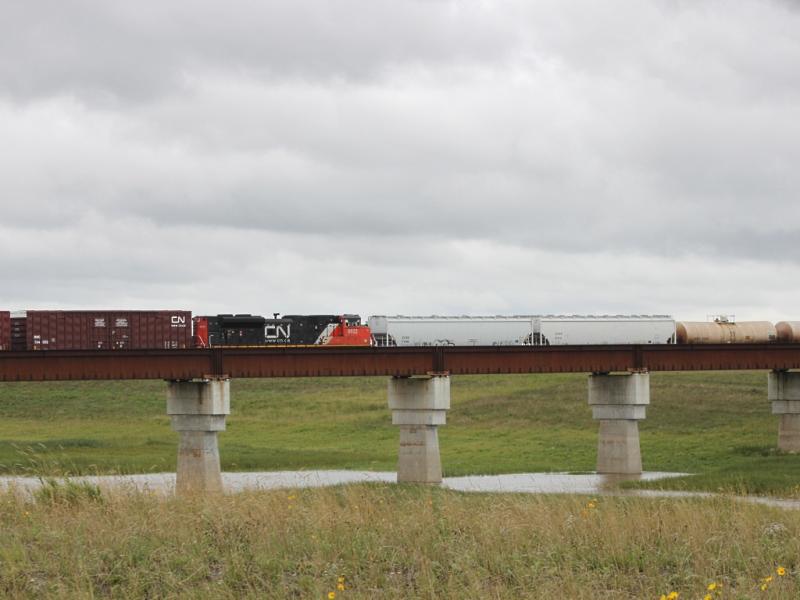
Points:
[(233, 482), (549, 483), (530, 483), (764, 500)]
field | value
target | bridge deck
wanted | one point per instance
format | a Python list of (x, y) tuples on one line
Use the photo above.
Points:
[(324, 362)]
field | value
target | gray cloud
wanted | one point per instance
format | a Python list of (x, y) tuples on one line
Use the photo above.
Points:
[(118, 50), (408, 149)]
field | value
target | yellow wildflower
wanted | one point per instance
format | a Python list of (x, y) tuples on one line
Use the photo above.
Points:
[(340, 579), (707, 597), (340, 587), (712, 586), (331, 595), (673, 596), (767, 579), (764, 587), (780, 571)]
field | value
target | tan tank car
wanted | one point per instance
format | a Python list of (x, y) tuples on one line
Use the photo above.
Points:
[(788, 331), (726, 332)]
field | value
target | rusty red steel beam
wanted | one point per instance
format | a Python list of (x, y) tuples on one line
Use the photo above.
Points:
[(461, 360), (326, 362), (350, 361), (605, 359), (549, 359), (726, 357), (53, 365)]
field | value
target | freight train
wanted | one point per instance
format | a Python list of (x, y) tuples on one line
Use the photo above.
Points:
[(169, 330), (172, 330)]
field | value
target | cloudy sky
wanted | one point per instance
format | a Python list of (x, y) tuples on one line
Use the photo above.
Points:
[(401, 156)]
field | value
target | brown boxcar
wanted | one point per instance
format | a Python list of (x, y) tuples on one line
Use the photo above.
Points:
[(5, 330), (159, 329), (108, 330)]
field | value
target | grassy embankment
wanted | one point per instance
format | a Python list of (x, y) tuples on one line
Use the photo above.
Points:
[(717, 426), (392, 542)]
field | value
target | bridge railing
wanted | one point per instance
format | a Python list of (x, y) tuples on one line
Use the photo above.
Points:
[(51, 365)]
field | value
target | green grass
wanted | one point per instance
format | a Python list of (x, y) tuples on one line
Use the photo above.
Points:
[(390, 541), (716, 426)]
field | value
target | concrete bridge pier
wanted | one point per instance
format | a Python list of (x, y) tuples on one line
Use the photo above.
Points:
[(419, 406), (783, 390), (198, 410), (619, 402)]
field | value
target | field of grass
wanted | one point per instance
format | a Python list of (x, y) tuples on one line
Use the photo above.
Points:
[(393, 541), (716, 426), (389, 541)]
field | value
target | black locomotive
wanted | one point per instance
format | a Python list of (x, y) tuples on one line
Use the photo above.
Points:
[(288, 330)]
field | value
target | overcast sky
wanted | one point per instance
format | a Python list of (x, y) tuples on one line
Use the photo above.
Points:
[(412, 157)]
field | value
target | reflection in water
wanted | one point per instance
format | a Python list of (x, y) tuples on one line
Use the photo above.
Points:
[(565, 483), (610, 482), (532, 483)]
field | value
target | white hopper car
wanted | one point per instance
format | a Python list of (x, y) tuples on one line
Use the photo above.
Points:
[(534, 330), (451, 331)]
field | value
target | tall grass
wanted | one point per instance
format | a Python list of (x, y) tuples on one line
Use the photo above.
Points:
[(391, 542)]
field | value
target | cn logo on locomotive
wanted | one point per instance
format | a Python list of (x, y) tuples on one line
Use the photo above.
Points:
[(178, 321), (275, 332)]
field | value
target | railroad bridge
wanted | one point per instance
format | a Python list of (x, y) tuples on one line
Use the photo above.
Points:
[(198, 388)]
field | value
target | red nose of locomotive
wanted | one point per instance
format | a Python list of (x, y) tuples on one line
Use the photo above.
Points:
[(346, 334), (200, 332)]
